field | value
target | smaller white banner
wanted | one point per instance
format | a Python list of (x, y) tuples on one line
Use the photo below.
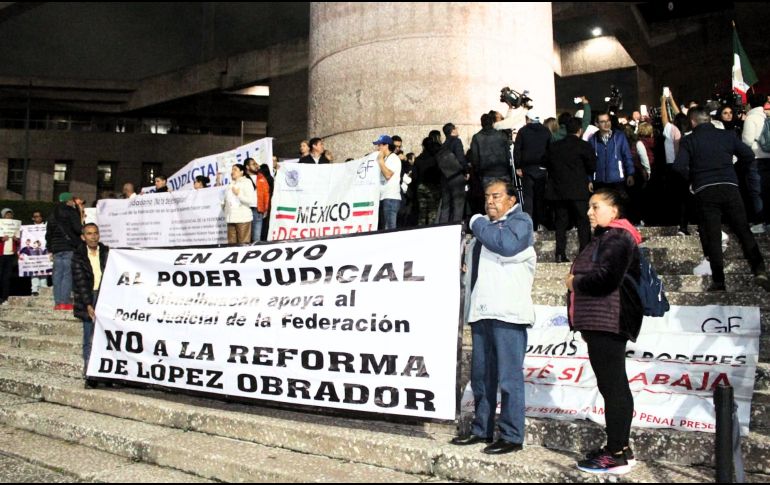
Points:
[(184, 218), (9, 227), (312, 201), (33, 254), (673, 368), (219, 163)]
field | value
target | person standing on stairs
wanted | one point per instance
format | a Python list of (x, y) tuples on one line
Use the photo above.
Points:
[(604, 306), (88, 263), (705, 159), (500, 265)]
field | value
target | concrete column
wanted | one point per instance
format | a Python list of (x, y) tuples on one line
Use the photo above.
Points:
[(408, 68), (287, 113)]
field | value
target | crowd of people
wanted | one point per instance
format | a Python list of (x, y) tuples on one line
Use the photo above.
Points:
[(606, 175)]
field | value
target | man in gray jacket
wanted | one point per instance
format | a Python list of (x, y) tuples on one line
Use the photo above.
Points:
[(500, 265)]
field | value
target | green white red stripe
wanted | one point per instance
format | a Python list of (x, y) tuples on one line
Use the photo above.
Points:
[(363, 209), (286, 213), (743, 74)]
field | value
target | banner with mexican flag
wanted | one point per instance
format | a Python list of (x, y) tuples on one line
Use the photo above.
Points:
[(743, 74), (325, 200)]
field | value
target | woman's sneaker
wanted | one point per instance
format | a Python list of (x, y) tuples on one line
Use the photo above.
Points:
[(606, 462), (627, 452)]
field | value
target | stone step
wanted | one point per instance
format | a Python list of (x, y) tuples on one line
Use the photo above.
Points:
[(317, 434), (67, 364), (234, 430), (213, 457), (14, 470), (78, 463), (15, 312), (71, 328), (63, 343)]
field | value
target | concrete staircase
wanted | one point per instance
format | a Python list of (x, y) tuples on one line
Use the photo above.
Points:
[(53, 429)]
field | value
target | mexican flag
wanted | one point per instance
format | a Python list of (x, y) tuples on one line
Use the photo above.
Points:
[(743, 74)]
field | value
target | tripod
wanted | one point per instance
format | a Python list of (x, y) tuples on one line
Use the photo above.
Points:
[(517, 182)]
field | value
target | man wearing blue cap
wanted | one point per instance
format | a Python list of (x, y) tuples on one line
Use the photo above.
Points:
[(390, 190), (62, 238)]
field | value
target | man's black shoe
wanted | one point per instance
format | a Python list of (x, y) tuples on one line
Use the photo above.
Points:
[(714, 287), (469, 440), (560, 258), (502, 446)]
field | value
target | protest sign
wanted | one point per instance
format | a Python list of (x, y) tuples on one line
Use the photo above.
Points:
[(359, 323), (210, 165), (9, 227), (325, 200), (33, 255), (187, 217), (672, 369)]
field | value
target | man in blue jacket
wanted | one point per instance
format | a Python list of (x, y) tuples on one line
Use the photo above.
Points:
[(614, 163), (500, 271)]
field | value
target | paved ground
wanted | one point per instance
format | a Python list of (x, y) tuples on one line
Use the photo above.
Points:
[(13, 470)]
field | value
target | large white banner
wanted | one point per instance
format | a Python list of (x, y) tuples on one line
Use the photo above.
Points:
[(184, 218), (33, 254), (210, 165), (363, 323), (325, 200), (672, 369)]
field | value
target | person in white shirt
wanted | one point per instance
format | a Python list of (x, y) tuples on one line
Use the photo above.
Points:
[(390, 190), (238, 198)]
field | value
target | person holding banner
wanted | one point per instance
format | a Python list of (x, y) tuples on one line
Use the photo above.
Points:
[(10, 241), (38, 281), (390, 181), (88, 263), (238, 199), (605, 308), (500, 264)]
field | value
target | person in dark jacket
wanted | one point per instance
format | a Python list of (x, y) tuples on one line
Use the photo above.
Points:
[(571, 163), (530, 146), (88, 263), (605, 308), (490, 154), (706, 159), (62, 237), (316, 155), (453, 188), (427, 180)]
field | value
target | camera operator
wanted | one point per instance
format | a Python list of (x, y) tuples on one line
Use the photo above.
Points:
[(515, 118)]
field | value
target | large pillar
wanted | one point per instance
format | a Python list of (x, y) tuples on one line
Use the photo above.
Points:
[(408, 68)]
